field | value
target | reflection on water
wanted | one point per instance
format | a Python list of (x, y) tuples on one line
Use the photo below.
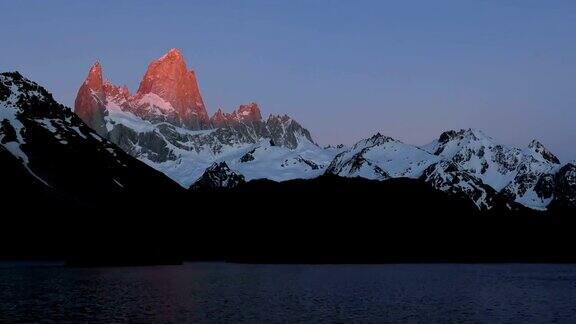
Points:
[(200, 292)]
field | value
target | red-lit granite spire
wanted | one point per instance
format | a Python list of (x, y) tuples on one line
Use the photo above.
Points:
[(169, 79)]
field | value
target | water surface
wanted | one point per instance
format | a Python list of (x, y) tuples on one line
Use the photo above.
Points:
[(215, 292)]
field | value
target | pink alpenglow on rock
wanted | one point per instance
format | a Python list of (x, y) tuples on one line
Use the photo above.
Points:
[(220, 119), (91, 99), (169, 78), (249, 112), (244, 113), (168, 91)]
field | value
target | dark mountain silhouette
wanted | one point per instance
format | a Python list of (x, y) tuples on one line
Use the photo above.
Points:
[(68, 193), (333, 219), (65, 188)]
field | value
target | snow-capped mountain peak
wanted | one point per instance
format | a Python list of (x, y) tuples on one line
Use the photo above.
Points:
[(532, 185), (165, 124), (463, 163), (381, 157), (451, 141), (379, 139), (479, 155), (541, 153)]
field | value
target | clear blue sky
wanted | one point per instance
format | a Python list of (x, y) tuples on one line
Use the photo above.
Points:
[(344, 69)]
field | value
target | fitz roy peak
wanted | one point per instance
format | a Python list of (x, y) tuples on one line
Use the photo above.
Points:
[(166, 125), (168, 92), (168, 79)]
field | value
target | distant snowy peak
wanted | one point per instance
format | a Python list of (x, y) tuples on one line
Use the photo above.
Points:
[(541, 153), (381, 157), (285, 131), (479, 155), (375, 140), (451, 140), (464, 163), (522, 175), (533, 181), (267, 160)]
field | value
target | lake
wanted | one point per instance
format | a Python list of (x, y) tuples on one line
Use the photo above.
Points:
[(221, 292)]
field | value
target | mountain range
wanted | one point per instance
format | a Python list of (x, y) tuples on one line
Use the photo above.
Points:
[(152, 178), (118, 136), (165, 124)]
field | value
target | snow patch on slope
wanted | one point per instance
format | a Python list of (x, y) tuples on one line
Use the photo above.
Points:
[(478, 155), (381, 157), (9, 113)]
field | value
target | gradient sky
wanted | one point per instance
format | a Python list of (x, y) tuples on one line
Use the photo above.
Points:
[(344, 69)]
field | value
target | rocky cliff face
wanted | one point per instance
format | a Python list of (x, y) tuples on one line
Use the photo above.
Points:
[(91, 100), (219, 175), (168, 79)]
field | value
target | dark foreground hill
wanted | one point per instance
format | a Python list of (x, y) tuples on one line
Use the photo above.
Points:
[(64, 190), (325, 220), (333, 219)]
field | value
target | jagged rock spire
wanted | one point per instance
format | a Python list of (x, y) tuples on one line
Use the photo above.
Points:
[(90, 103), (169, 78)]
